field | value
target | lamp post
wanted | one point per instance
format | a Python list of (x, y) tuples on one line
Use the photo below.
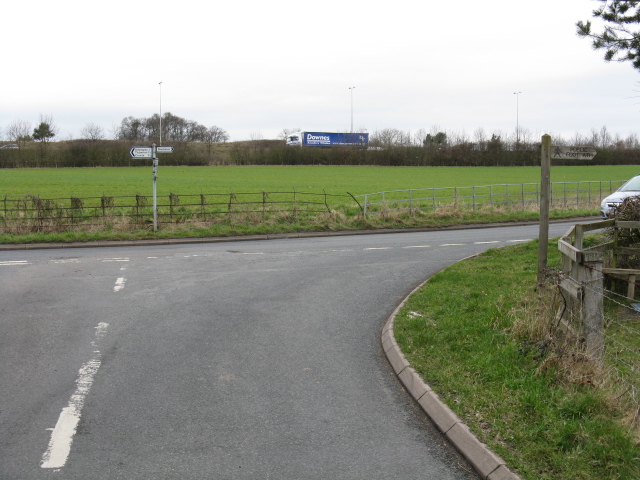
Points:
[(160, 142), (351, 90), (517, 94)]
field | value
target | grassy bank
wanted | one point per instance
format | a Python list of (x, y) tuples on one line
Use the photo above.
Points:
[(286, 223), (462, 332)]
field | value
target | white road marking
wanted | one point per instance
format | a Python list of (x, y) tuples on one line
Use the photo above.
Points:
[(378, 248), (119, 284), (67, 424), (14, 262), (452, 245), (485, 243), (418, 246), (125, 259), (524, 240), (67, 260), (254, 253)]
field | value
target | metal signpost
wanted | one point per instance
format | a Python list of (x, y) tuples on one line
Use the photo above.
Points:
[(149, 153), (555, 152)]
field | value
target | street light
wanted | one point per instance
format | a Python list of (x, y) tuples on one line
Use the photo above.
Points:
[(160, 143), (351, 90), (517, 94)]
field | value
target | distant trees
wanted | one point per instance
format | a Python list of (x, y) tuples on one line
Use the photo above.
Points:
[(45, 131), (174, 129), (19, 132), (286, 132), (620, 38), (92, 131), (439, 138)]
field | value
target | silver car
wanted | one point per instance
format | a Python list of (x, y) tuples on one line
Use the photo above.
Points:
[(629, 189)]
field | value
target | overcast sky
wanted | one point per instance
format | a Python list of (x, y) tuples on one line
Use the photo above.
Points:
[(256, 67)]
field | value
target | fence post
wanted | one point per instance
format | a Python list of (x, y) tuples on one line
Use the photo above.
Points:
[(474, 199), (364, 210), (593, 311)]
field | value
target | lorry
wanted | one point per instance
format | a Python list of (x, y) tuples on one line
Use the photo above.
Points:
[(328, 139)]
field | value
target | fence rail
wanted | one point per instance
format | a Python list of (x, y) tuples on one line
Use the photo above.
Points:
[(521, 195)]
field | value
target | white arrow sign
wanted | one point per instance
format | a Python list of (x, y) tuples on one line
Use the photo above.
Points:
[(572, 153), (164, 149), (141, 152)]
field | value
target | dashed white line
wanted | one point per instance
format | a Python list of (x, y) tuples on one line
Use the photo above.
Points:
[(62, 434), (516, 241), (378, 248), (486, 243), (14, 262), (452, 245), (417, 246), (119, 284), (115, 260)]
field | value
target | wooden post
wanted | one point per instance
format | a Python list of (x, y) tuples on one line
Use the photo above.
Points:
[(543, 235), (593, 310)]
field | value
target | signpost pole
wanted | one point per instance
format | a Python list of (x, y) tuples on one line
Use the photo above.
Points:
[(545, 187), (155, 176)]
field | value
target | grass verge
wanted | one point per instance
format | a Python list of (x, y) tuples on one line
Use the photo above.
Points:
[(463, 332), (275, 223)]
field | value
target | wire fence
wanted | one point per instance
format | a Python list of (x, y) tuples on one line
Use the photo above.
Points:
[(621, 348), (599, 300), (35, 214), (521, 195)]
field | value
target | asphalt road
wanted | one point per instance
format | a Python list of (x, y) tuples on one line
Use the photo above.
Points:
[(251, 359)]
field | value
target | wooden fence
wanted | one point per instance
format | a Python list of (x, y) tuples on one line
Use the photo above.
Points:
[(600, 297)]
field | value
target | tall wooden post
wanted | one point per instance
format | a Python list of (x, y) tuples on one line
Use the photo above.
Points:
[(545, 187)]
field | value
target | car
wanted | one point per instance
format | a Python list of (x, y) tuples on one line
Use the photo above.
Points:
[(10, 145), (631, 188)]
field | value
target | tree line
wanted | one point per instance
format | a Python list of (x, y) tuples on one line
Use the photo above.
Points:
[(174, 129)]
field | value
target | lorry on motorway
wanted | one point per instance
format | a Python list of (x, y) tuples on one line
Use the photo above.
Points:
[(328, 139)]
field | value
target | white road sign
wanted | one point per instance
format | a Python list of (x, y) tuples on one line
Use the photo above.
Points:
[(572, 153), (164, 149), (141, 152)]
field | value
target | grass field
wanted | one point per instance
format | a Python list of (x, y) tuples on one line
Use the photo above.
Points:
[(91, 182)]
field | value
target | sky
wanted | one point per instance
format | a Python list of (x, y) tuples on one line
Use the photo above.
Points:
[(256, 67)]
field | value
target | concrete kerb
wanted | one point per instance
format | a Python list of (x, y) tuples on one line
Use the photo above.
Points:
[(486, 462)]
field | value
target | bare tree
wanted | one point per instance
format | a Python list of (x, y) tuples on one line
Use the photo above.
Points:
[(480, 138), (92, 131), (286, 132), (419, 136), (605, 137), (216, 134), (19, 131)]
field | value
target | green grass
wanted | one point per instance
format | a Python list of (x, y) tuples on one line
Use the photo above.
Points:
[(91, 182), (458, 333), (219, 182)]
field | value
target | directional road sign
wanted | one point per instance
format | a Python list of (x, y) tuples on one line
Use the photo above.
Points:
[(141, 152), (572, 153), (164, 149)]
